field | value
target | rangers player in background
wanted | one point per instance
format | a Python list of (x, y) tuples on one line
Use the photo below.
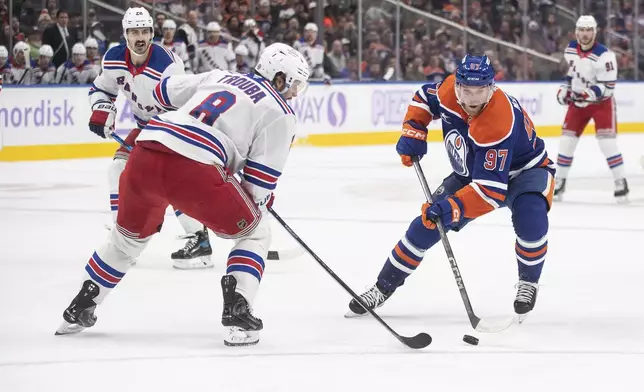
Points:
[(20, 70), (589, 95), (214, 52), (178, 47), (497, 160), (77, 70), (253, 40), (5, 67), (94, 58), (312, 51), (225, 123), (135, 68), (43, 70)]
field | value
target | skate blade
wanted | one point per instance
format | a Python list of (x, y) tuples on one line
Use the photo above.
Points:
[(622, 199), (351, 314), (202, 262), (239, 338), (494, 324), (521, 317), (68, 329)]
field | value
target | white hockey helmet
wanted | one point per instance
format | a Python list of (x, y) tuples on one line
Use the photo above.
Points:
[(46, 51), (241, 50), (250, 23), (21, 47), (169, 24), (4, 53), (281, 58), (91, 43), (586, 22), (79, 49), (311, 27), (137, 17), (213, 26)]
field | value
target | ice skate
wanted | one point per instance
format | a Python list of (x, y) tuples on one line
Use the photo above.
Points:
[(526, 299), (621, 190), (374, 298), (80, 313), (560, 188), (243, 327), (196, 254)]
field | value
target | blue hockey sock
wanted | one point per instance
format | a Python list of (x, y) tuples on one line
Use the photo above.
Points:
[(530, 220)]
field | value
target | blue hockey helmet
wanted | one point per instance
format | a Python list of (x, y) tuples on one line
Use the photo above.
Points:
[(474, 83)]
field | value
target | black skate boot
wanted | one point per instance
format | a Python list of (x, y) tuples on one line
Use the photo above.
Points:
[(243, 326), (526, 298), (374, 298), (195, 254), (621, 190), (80, 313), (560, 188)]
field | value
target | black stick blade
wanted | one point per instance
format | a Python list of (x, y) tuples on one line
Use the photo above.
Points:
[(421, 340)]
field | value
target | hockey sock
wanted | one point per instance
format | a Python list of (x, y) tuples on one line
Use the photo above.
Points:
[(113, 175), (530, 220), (609, 148), (567, 145), (190, 225), (406, 255), (106, 267)]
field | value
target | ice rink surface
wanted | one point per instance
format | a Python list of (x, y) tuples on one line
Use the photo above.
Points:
[(159, 330)]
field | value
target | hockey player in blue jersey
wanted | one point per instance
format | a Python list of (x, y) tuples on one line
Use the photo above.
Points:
[(497, 161)]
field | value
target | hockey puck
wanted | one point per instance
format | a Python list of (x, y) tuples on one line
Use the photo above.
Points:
[(470, 340), (273, 255)]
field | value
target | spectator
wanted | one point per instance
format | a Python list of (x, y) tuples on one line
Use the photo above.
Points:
[(338, 59), (58, 37), (189, 33), (253, 41)]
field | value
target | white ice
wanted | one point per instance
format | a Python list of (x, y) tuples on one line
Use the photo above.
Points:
[(159, 330)]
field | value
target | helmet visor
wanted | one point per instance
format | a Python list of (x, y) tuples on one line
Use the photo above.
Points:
[(473, 95), (299, 86)]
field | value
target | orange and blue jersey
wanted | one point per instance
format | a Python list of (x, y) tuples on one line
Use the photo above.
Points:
[(486, 151)]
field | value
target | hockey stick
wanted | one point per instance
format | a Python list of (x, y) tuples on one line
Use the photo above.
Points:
[(421, 340), (478, 324), (120, 141)]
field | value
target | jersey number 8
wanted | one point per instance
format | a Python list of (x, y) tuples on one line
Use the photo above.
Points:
[(209, 110)]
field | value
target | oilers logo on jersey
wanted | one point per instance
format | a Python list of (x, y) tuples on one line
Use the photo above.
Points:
[(457, 152)]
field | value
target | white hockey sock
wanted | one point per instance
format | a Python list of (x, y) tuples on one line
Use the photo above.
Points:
[(111, 261), (608, 145), (113, 175), (190, 225), (567, 145)]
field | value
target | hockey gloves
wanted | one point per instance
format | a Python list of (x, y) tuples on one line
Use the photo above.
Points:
[(564, 95), (412, 142), (102, 120), (447, 210)]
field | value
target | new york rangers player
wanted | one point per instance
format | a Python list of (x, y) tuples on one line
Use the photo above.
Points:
[(20, 70), (135, 68), (170, 42), (588, 94), (497, 160), (43, 70), (214, 52), (77, 70), (224, 123)]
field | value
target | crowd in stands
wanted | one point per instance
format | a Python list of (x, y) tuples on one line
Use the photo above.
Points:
[(427, 48)]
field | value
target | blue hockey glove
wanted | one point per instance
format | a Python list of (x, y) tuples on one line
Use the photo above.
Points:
[(448, 210), (412, 142)]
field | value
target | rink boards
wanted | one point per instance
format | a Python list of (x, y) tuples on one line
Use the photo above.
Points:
[(51, 123)]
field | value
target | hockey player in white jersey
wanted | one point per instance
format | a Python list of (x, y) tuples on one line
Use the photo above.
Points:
[(253, 40), (224, 123), (312, 51), (20, 71), (588, 94), (214, 52), (174, 45), (94, 58), (43, 70), (135, 68), (240, 65), (5, 67), (76, 70)]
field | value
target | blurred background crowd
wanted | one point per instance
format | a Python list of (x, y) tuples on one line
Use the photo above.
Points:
[(342, 39)]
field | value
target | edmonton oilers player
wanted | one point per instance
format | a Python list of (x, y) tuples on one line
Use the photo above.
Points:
[(135, 68), (498, 161)]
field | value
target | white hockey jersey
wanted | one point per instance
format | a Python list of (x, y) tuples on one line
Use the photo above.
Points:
[(227, 119), (255, 45), (593, 71), (136, 83), (213, 56), (42, 76), (180, 49), (314, 55), (17, 74), (68, 73)]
